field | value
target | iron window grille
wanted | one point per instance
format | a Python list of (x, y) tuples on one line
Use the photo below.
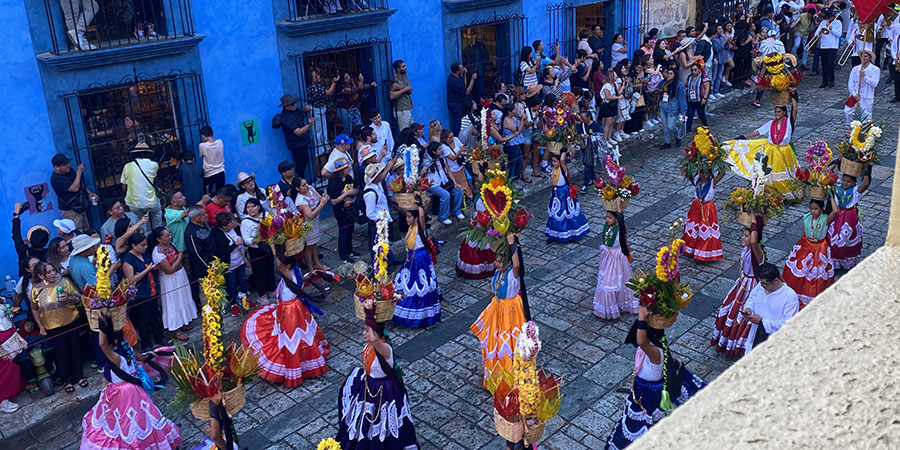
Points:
[(490, 47), (105, 122), (115, 23), (300, 10)]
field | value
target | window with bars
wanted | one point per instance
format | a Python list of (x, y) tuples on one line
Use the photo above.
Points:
[(300, 10), (490, 48)]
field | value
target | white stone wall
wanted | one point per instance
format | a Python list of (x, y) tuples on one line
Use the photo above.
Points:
[(670, 15)]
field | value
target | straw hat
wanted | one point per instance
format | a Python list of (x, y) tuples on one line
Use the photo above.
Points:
[(372, 171), (141, 147), (34, 228), (83, 242), (870, 52), (242, 177)]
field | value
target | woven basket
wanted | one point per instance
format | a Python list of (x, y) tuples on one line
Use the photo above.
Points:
[(659, 322), (511, 431), (852, 168), (816, 192), (117, 314), (746, 219), (610, 205), (534, 433), (384, 311), (780, 98), (294, 246), (407, 201), (555, 148), (234, 402)]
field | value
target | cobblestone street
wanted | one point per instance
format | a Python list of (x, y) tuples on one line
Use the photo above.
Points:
[(441, 364)]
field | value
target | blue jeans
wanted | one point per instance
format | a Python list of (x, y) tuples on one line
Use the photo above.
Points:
[(589, 176), (670, 124), (444, 198), (236, 281), (514, 160), (345, 234), (800, 42), (717, 71)]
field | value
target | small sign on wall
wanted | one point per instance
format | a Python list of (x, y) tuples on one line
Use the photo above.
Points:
[(36, 196), (249, 132)]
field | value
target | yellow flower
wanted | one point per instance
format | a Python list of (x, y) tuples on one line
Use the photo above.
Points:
[(559, 110), (560, 120), (626, 181), (781, 82), (608, 192), (329, 444)]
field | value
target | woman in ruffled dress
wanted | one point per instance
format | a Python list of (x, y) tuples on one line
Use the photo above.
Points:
[(611, 296), (809, 269), (845, 232), (702, 239), (566, 221), (660, 384), (125, 416), (473, 261), (373, 406), (417, 280), (732, 328), (285, 335), (499, 325), (776, 145), (178, 309)]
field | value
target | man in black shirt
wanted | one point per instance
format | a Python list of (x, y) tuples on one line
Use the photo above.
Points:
[(286, 183), (343, 188), (200, 248), (72, 196), (596, 41), (457, 91), (35, 242), (295, 125)]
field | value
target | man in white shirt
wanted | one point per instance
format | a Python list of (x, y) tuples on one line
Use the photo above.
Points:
[(828, 45), (384, 140), (770, 305), (893, 33), (341, 150), (857, 38), (137, 181), (861, 85)]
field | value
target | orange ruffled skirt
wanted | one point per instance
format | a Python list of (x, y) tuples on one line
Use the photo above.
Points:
[(498, 328)]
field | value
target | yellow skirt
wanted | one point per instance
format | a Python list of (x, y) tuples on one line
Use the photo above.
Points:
[(782, 160), (498, 328)]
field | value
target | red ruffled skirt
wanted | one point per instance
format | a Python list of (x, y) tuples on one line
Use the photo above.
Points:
[(474, 263), (701, 232), (732, 329), (11, 380), (289, 342), (809, 270), (845, 236)]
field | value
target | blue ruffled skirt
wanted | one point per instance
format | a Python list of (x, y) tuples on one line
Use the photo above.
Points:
[(565, 221), (421, 304), (642, 408)]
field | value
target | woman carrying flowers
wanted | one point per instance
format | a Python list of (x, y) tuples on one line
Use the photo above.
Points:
[(417, 280), (732, 328), (566, 221), (809, 269), (373, 407), (777, 146), (474, 261), (660, 383), (612, 296), (285, 335), (701, 229), (125, 415), (845, 232), (499, 325)]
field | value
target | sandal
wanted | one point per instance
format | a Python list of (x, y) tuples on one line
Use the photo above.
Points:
[(526, 180), (538, 174), (180, 336), (187, 328), (83, 383), (69, 388)]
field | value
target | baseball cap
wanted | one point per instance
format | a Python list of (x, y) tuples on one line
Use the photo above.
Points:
[(418, 126), (342, 139), (65, 225), (60, 160)]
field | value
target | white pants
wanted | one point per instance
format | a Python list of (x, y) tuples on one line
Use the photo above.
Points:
[(78, 14), (404, 119), (865, 106)]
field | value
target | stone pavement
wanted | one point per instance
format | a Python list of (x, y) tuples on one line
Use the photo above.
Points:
[(442, 363)]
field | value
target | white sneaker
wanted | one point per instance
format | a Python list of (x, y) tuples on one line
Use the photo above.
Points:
[(656, 122), (8, 407), (446, 222), (720, 95), (612, 140), (726, 83), (647, 124), (635, 134), (621, 135), (460, 216)]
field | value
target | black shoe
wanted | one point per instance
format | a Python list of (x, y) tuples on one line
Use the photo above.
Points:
[(823, 85), (831, 84), (815, 74), (895, 100), (354, 254), (678, 142), (664, 146)]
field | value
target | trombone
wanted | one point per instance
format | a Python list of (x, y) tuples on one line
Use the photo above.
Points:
[(815, 40), (866, 35)]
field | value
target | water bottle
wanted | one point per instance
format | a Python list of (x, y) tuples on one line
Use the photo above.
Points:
[(10, 284)]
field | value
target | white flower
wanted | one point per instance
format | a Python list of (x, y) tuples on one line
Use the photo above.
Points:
[(855, 124)]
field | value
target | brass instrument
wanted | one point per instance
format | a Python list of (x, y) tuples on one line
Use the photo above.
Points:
[(815, 40), (887, 20), (866, 34)]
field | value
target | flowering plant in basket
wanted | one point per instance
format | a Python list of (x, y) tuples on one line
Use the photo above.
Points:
[(282, 224), (759, 199), (618, 185), (503, 214), (662, 291), (862, 142), (817, 173), (559, 125), (705, 152), (487, 149)]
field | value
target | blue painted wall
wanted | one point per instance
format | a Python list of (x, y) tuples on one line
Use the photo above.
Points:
[(28, 143)]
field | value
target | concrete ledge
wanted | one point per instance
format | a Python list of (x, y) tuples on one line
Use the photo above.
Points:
[(106, 56), (326, 24), (828, 379), (469, 5)]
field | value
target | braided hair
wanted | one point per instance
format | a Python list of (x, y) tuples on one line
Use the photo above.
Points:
[(393, 372)]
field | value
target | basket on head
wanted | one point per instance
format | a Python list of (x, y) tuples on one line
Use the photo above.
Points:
[(661, 322), (511, 431), (234, 401), (384, 310), (555, 148), (816, 192), (407, 201), (780, 98), (610, 205), (116, 314), (852, 168), (746, 219), (294, 246)]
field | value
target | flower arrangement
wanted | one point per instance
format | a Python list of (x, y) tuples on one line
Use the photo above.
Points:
[(282, 224), (662, 291), (619, 184), (376, 283), (559, 125), (221, 368), (492, 225), (777, 76), (100, 300), (487, 149), (817, 174), (401, 185), (328, 444), (704, 153), (861, 146), (760, 199), (410, 165), (525, 393)]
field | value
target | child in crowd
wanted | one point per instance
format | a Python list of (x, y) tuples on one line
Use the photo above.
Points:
[(219, 203), (732, 328), (592, 133), (230, 248), (702, 239), (845, 232), (566, 221), (809, 269), (213, 153)]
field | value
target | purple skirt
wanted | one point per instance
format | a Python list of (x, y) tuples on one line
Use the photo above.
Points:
[(380, 421)]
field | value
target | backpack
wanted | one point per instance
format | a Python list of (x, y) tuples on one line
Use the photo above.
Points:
[(359, 205), (276, 121)]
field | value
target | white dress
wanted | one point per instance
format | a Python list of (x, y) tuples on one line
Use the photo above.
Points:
[(312, 200), (178, 307)]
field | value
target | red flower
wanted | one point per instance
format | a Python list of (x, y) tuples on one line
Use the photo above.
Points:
[(486, 103), (573, 192), (634, 188), (832, 178), (691, 151), (598, 183), (495, 152), (763, 82), (521, 218), (802, 174), (648, 296), (483, 218)]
